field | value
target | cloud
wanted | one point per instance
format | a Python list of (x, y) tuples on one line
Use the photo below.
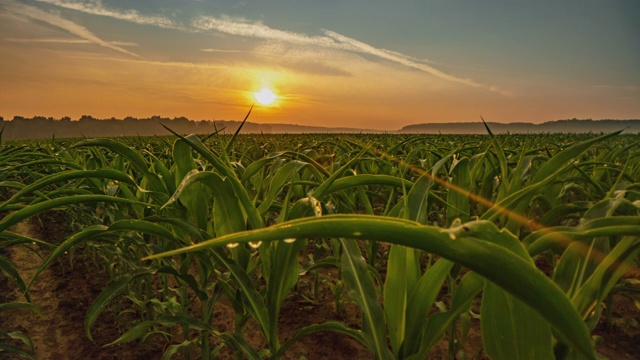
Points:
[(331, 40), (399, 58), (96, 7), (308, 59), (22, 10), (66, 41), (149, 63), (221, 50), (242, 27)]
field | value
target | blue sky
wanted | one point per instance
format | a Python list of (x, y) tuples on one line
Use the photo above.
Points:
[(373, 64)]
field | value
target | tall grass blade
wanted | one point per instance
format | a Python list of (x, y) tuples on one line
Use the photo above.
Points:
[(233, 138)]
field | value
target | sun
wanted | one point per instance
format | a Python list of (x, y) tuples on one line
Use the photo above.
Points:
[(265, 96)]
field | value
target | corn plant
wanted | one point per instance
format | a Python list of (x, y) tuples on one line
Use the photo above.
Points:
[(226, 217)]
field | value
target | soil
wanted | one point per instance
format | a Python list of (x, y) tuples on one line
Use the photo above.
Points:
[(621, 339), (64, 292)]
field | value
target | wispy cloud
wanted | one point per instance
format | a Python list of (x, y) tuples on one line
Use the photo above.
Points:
[(220, 50), (309, 59), (406, 61), (332, 40), (65, 41), (22, 10), (149, 63), (96, 7), (257, 30), (241, 27)]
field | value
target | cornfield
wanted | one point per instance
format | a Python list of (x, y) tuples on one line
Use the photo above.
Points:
[(417, 229)]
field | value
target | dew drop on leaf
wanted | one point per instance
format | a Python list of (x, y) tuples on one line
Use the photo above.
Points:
[(255, 244)]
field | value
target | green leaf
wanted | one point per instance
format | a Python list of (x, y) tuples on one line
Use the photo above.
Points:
[(502, 161), (417, 200), (277, 183), (437, 324), (333, 326), (236, 341), (420, 303), (24, 338), (233, 138), (506, 320), (72, 241), (175, 348), (282, 279), (569, 154), (38, 208), (10, 270), (16, 305), (403, 271), (17, 239), (361, 289), (70, 175), (196, 197), (459, 200), (11, 349), (138, 162), (610, 269), (492, 261), (321, 190), (227, 214), (112, 290), (253, 217), (348, 182), (256, 306), (138, 331)]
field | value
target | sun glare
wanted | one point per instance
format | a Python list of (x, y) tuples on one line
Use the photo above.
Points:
[(265, 96)]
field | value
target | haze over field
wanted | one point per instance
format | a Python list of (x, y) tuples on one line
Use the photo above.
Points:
[(377, 65)]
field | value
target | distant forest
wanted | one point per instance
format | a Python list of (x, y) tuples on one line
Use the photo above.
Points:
[(40, 127), (631, 126)]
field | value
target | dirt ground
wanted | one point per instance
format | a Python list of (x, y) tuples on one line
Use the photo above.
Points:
[(64, 293)]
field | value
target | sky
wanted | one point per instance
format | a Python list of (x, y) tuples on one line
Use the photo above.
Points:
[(352, 63)]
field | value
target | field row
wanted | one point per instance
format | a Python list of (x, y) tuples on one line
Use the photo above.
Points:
[(541, 230)]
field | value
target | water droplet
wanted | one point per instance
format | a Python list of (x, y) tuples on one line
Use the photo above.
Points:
[(289, 240), (452, 236), (254, 245), (232, 245)]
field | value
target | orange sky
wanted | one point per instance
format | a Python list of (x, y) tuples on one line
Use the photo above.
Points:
[(62, 58)]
